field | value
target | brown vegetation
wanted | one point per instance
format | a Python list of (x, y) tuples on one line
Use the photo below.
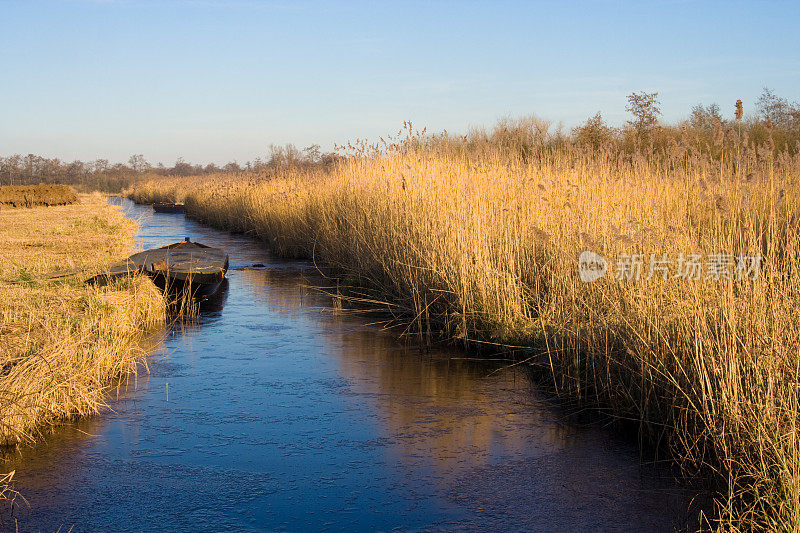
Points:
[(34, 195), (478, 237), (61, 342), (100, 175), (774, 122)]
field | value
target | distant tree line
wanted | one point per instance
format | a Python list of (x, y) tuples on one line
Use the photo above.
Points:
[(101, 175), (774, 126)]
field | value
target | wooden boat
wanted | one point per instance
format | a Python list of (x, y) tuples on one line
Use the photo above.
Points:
[(177, 267), (177, 207)]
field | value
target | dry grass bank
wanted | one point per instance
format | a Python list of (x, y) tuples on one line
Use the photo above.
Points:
[(486, 247), (34, 195), (61, 342)]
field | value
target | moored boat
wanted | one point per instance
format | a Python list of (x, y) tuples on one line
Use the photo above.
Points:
[(177, 267), (166, 207)]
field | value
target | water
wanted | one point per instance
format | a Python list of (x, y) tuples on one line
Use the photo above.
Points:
[(274, 412)]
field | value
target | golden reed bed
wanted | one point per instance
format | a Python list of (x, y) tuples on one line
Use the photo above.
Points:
[(33, 195), (485, 246), (61, 342)]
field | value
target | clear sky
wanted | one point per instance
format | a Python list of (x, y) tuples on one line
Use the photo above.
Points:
[(221, 80)]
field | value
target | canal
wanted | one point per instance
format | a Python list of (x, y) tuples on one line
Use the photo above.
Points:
[(274, 411)]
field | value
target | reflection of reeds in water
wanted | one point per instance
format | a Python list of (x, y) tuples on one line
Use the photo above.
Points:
[(10, 499), (62, 343), (50, 458), (455, 411), (285, 293), (468, 407), (483, 244)]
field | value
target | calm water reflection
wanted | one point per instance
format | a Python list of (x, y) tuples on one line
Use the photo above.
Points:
[(283, 415)]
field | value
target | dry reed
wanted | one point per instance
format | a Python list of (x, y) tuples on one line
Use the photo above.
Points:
[(486, 247), (61, 342), (33, 195)]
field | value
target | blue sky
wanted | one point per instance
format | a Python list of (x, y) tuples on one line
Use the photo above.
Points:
[(218, 81)]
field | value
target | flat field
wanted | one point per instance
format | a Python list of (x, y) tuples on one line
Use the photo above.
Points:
[(64, 342)]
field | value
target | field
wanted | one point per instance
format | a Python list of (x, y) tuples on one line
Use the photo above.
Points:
[(63, 342), (482, 246), (33, 195)]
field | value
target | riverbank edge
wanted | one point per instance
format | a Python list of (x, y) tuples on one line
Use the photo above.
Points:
[(532, 351), (66, 344)]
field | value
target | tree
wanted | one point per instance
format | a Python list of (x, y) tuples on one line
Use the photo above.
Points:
[(705, 117), (593, 133), (181, 168), (312, 153), (777, 111), (233, 166), (10, 169), (283, 156), (100, 165), (138, 163), (645, 109)]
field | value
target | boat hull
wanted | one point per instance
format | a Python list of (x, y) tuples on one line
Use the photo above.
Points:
[(199, 290), (169, 208), (185, 267)]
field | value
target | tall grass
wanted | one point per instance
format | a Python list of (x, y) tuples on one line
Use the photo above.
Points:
[(32, 195), (484, 246), (62, 344)]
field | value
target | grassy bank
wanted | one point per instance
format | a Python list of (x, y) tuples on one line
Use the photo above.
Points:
[(63, 342), (485, 246), (34, 195)]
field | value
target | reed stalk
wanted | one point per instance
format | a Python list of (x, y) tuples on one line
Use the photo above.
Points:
[(62, 343), (484, 244)]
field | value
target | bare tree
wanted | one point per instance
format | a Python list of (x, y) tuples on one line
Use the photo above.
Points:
[(705, 117), (645, 109), (101, 165), (233, 166), (182, 168), (777, 111), (312, 153), (138, 163)]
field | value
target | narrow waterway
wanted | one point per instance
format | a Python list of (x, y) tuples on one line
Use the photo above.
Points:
[(275, 412)]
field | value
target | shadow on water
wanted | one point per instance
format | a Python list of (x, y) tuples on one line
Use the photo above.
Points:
[(271, 411)]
